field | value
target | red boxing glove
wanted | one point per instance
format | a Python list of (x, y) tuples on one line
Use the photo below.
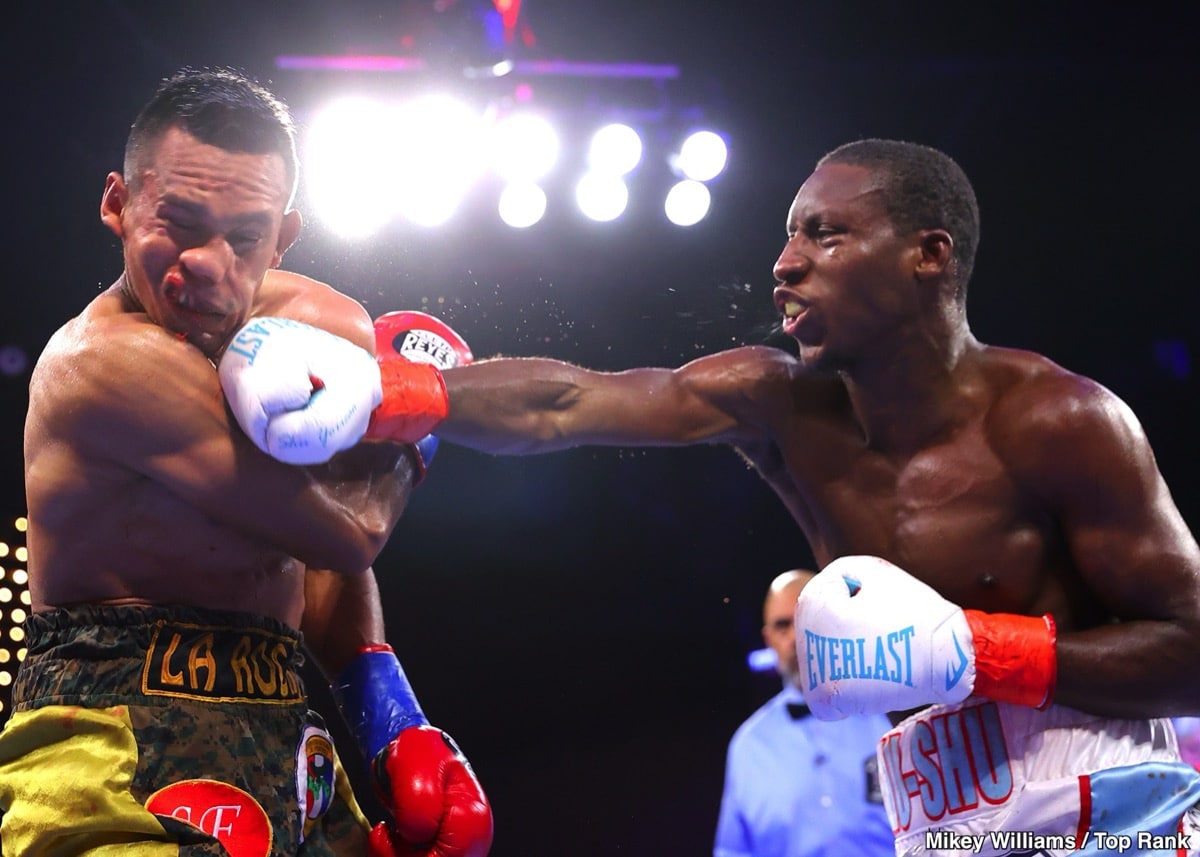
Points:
[(421, 338), (438, 806), (416, 337)]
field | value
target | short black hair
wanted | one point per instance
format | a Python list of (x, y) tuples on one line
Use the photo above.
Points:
[(221, 107), (922, 188)]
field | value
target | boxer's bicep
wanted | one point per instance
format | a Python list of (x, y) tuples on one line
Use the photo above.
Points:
[(1126, 603), (1091, 464), (1125, 534)]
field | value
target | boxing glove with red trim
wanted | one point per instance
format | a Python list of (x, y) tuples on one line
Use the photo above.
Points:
[(871, 638), (302, 394), (299, 393), (419, 338), (437, 805)]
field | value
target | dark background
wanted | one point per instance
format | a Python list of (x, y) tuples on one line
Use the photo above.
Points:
[(579, 621)]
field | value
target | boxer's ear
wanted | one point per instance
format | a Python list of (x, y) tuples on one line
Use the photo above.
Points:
[(935, 253), (289, 231), (113, 202)]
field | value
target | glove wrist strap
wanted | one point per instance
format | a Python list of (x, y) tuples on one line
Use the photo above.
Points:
[(414, 401), (1015, 659), (376, 699)]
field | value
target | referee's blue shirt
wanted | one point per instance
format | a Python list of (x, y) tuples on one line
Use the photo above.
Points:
[(802, 787)]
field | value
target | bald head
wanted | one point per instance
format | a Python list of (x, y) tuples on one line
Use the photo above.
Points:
[(779, 610)]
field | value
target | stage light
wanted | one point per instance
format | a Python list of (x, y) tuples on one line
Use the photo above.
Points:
[(14, 360), (522, 204), (372, 161), (702, 156), (14, 595), (351, 175), (369, 162), (439, 157), (601, 197), (431, 200), (687, 203), (523, 147), (762, 660), (615, 150)]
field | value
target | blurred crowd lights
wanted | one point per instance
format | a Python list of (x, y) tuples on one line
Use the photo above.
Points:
[(370, 162), (14, 606)]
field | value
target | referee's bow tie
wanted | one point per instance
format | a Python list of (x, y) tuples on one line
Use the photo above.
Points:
[(798, 710)]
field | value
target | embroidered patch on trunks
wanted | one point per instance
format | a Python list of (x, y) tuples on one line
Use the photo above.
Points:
[(220, 664), (315, 775), (224, 812)]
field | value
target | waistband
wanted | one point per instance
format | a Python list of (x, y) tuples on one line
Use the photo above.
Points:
[(982, 766), (105, 655)]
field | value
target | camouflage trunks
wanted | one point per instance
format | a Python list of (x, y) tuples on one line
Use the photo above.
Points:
[(169, 730)]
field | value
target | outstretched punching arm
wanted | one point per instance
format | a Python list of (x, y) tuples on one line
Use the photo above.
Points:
[(522, 406)]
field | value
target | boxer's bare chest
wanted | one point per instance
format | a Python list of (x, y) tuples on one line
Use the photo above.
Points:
[(950, 512), (135, 542)]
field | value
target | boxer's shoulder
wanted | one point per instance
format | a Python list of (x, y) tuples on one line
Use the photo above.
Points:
[(1028, 389), (287, 294), (765, 377), (1043, 416)]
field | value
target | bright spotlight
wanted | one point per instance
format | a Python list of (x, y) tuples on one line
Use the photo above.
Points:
[(702, 156), (439, 157), (601, 197), (351, 173), (522, 204), (615, 150), (687, 203), (524, 146), (368, 162)]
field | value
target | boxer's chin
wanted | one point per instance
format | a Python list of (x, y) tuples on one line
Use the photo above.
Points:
[(821, 358)]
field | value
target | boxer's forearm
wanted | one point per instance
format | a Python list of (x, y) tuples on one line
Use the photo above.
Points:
[(369, 485), (1134, 669), (520, 406), (512, 406), (342, 614)]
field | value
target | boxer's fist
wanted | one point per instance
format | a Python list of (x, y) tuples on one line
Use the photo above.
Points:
[(299, 393), (872, 639), (419, 338), (438, 807)]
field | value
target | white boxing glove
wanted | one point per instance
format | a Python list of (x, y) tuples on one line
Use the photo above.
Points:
[(301, 394), (872, 639)]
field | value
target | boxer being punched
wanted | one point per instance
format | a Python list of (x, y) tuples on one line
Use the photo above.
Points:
[(948, 475), (173, 565)]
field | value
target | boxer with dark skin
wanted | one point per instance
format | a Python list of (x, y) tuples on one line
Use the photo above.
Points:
[(147, 502), (1004, 570), (1004, 481)]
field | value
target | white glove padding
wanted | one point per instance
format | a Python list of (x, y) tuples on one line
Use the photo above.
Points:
[(872, 639), (299, 392)]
